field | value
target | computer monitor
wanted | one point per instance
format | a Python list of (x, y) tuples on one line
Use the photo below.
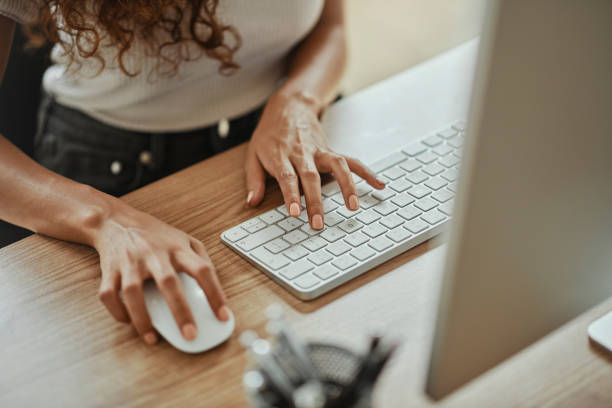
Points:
[(530, 246)]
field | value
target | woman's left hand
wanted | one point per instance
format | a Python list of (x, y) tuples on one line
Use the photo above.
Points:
[(290, 145)]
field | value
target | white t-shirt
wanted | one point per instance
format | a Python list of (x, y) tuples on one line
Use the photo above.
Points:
[(198, 95)]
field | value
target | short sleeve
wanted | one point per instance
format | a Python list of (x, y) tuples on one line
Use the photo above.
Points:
[(22, 11)]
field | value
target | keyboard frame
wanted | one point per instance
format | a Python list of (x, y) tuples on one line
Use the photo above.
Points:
[(363, 267)]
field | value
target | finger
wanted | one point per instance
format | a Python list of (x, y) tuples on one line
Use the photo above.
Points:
[(311, 185), (343, 176), (133, 296), (255, 179), (203, 271), (288, 182), (365, 173), (109, 296), (171, 289)]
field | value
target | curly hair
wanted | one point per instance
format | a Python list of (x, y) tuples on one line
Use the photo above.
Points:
[(166, 27)]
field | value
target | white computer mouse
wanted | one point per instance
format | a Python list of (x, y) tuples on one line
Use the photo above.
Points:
[(211, 331)]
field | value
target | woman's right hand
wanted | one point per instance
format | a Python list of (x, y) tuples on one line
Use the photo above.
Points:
[(135, 246)]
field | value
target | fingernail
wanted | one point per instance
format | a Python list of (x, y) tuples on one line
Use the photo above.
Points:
[(353, 203), (249, 197), (294, 210), (224, 313), (317, 221), (189, 331), (150, 338)]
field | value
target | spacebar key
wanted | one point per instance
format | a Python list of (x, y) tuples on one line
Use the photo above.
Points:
[(389, 161), (260, 238)]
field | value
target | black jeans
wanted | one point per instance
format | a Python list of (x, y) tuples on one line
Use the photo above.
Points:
[(118, 161)]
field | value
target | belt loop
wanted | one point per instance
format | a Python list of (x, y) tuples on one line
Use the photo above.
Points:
[(46, 102)]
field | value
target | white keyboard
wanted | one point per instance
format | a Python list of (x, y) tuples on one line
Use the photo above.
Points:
[(415, 206)]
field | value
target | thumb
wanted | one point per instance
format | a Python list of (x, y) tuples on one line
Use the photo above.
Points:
[(255, 180)]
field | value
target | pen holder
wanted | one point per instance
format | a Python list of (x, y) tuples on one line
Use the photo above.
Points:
[(337, 367)]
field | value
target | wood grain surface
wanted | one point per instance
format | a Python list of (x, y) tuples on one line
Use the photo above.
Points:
[(59, 346)]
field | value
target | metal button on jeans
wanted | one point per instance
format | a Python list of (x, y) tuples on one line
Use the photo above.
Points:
[(223, 128), (116, 167), (145, 158)]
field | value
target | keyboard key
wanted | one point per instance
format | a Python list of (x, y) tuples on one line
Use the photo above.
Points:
[(448, 133), (452, 187), (303, 216), (394, 173), (349, 226), (443, 150), (338, 248), (320, 257), (344, 262), (399, 235), (392, 221), (410, 165), (289, 224), (260, 237), (415, 226), (450, 175), (332, 234), (295, 237), (277, 245), (314, 243), (402, 200), (296, 269), (329, 205), (400, 185), (235, 234), (326, 271), (456, 142), (419, 191), (426, 204), (345, 212), (269, 259), (307, 281), (362, 189), (435, 183), (417, 177), (460, 125), (433, 169), (338, 198), (374, 230), (362, 253), (380, 243), (427, 157), (330, 189), (432, 140), (356, 239), (253, 225), (333, 218), (387, 162), (306, 229), (414, 149), (385, 208), (368, 217), (449, 161), (433, 217), (383, 195), (367, 202), (409, 212), (283, 210), (447, 208), (442, 196), (271, 217), (295, 253)]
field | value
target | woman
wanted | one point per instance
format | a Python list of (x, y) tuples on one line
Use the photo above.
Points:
[(141, 89)]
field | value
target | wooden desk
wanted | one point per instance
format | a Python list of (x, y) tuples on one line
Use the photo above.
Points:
[(59, 346)]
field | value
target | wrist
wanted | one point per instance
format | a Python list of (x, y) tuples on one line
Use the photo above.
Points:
[(287, 94)]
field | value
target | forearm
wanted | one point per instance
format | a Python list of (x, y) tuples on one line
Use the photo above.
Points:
[(319, 62), (45, 202)]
